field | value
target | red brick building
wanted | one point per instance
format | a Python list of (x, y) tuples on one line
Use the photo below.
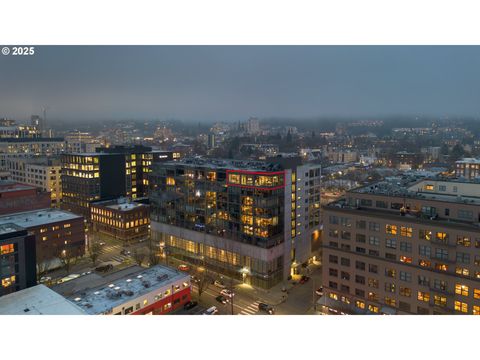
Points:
[(16, 197)]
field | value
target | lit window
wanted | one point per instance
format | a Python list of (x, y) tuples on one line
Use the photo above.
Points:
[(373, 308), (461, 289), (461, 306), (8, 281), (360, 304), (476, 310), (391, 229), (7, 249), (406, 231), (405, 259), (462, 271), (440, 300), (423, 296), (476, 293)]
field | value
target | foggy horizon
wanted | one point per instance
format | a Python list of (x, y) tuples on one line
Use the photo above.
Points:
[(233, 83)]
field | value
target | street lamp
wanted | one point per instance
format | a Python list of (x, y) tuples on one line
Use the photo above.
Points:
[(245, 271)]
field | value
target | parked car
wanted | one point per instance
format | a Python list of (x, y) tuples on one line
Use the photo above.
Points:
[(227, 293), (45, 279), (304, 279), (221, 299), (104, 268), (101, 243), (183, 267), (125, 252), (266, 308), (190, 305), (319, 291), (219, 284), (211, 311)]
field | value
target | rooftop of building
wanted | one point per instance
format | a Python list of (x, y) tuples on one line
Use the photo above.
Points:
[(32, 139), (28, 219), (115, 150), (37, 300), (120, 204), (37, 160), (406, 187), (98, 294), (468, 161), (9, 186), (8, 228), (229, 164)]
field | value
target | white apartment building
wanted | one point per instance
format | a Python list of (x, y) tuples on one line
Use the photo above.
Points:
[(40, 172)]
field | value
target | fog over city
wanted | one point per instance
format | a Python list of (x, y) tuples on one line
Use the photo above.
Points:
[(225, 83)]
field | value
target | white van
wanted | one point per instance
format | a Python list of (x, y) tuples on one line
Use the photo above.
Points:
[(211, 311)]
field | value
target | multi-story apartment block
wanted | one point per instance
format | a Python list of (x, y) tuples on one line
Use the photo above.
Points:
[(468, 168), (57, 233), (106, 174), (254, 221), (42, 172), (35, 146), (81, 142), (19, 131), (403, 246)]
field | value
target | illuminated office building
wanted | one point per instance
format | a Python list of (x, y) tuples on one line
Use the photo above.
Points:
[(107, 174)]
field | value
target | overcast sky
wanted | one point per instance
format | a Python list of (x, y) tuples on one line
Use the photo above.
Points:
[(233, 83)]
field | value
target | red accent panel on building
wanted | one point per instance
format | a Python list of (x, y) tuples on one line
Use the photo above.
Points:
[(157, 308)]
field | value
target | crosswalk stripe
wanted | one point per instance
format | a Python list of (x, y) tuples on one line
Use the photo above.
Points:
[(252, 307), (244, 313), (249, 311)]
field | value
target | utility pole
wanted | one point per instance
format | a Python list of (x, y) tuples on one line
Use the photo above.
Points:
[(231, 289)]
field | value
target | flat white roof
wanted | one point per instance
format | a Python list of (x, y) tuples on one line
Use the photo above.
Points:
[(125, 206), (37, 300), (34, 218), (116, 289)]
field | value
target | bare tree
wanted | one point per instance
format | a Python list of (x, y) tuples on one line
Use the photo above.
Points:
[(67, 258), (94, 252), (138, 256), (44, 261)]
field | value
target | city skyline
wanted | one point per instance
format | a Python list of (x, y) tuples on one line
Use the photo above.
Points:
[(226, 83)]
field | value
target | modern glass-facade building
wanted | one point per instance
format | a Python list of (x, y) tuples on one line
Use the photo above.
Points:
[(233, 216)]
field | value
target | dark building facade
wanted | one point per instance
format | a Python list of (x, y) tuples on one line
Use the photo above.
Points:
[(107, 174), (17, 259)]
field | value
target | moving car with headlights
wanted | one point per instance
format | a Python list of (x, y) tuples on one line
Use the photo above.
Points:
[(266, 308)]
